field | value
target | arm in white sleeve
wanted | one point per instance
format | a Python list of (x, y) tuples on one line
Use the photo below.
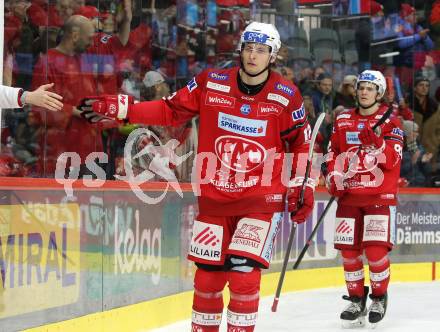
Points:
[(9, 97)]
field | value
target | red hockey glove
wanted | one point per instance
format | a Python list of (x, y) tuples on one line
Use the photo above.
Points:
[(86, 112), (300, 213), (369, 139), (112, 106), (335, 184)]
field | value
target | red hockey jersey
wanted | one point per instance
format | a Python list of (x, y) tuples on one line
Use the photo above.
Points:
[(241, 138), (373, 179)]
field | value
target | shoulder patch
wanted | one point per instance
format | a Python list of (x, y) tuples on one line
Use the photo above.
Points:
[(192, 85), (299, 114), (397, 132)]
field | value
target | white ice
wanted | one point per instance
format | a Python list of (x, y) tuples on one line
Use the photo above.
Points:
[(411, 307)]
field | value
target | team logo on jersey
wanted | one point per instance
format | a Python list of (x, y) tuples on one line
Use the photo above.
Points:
[(192, 85), (105, 39), (218, 77), (245, 109), (216, 99), (239, 154), (276, 97), (299, 114), (242, 126), (218, 87), (284, 88), (206, 242), (352, 137), (361, 125), (344, 231), (265, 109), (397, 132)]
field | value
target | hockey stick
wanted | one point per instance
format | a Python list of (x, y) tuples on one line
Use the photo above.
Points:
[(300, 203), (385, 116)]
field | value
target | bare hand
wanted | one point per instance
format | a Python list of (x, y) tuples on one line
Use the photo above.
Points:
[(423, 33), (426, 157), (43, 98)]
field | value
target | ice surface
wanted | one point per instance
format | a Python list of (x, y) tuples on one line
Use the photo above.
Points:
[(412, 307)]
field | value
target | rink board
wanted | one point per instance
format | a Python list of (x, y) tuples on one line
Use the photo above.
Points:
[(104, 260)]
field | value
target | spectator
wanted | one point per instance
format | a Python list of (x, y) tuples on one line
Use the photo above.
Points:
[(346, 94), (322, 95), (422, 104), (25, 146), (400, 107), (431, 138), (19, 38), (308, 106), (107, 51), (415, 167), (68, 130), (412, 38), (288, 73), (154, 86)]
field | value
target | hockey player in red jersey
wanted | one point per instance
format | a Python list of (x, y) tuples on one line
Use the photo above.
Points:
[(247, 115), (366, 186)]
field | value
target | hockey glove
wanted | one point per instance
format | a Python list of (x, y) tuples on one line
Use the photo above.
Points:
[(335, 184), (112, 106), (299, 214), (370, 140)]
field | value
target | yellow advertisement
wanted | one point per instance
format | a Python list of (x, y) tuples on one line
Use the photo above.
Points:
[(39, 257)]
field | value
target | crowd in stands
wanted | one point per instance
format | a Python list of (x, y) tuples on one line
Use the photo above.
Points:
[(146, 52)]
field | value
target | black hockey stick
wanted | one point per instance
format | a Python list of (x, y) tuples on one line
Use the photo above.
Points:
[(385, 116), (300, 203)]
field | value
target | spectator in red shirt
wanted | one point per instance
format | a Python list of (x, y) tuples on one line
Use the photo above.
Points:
[(67, 131)]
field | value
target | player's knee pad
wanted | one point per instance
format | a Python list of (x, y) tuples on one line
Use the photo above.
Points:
[(244, 275), (208, 295), (209, 281), (376, 255), (351, 256)]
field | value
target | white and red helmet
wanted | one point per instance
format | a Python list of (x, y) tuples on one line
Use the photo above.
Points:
[(375, 77), (261, 33)]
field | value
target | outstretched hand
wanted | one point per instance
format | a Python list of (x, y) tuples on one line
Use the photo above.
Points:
[(43, 98)]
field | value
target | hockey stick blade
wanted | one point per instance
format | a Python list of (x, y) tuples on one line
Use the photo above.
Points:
[(382, 120), (286, 211)]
